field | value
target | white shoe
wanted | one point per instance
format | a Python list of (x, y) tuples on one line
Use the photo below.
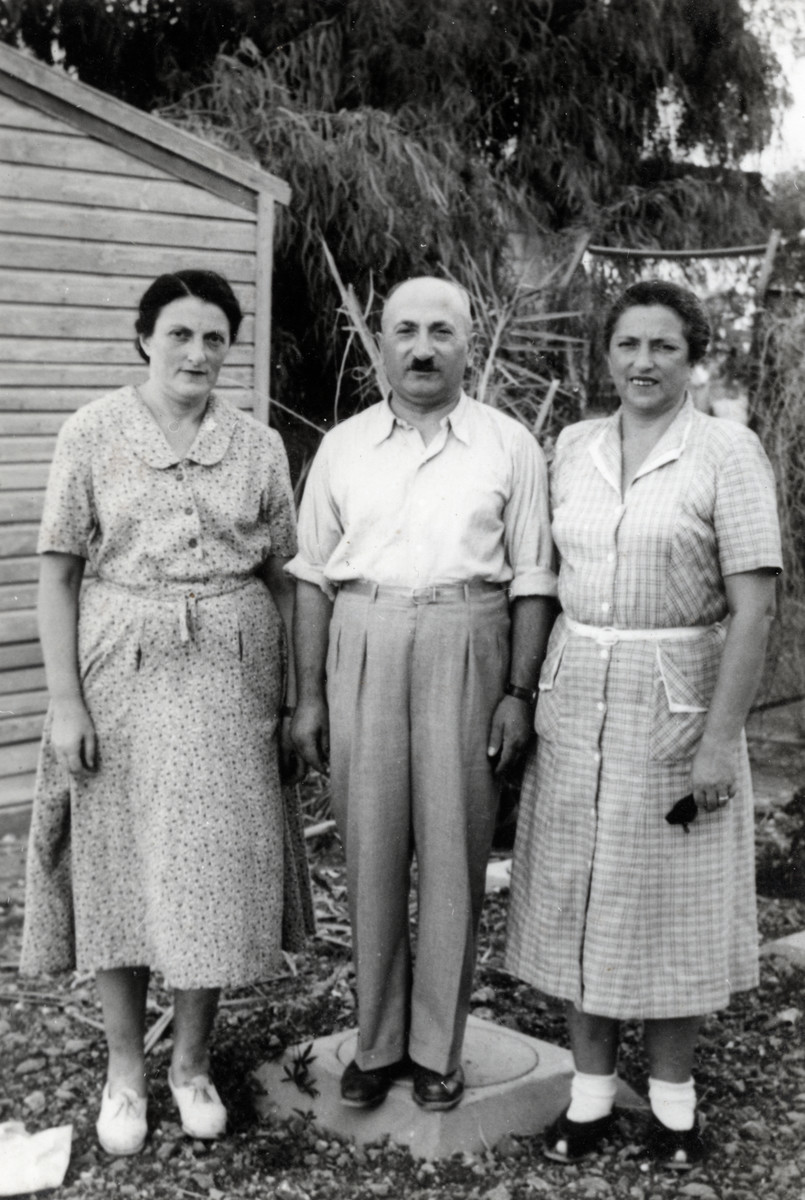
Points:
[(200, 1108), (121, 1125)]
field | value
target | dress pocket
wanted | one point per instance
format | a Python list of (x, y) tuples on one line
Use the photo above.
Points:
[(548, 720), (684, 681)]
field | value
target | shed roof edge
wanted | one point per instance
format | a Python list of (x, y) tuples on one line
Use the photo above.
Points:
[(156, 130)]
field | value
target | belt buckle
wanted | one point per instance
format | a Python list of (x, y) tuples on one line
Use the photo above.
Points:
[(607, 636), (424, 595)]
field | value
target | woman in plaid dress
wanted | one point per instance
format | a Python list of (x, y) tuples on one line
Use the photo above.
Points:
[(665, 522)]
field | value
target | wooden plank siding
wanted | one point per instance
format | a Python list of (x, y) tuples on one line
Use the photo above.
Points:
[(96, 200)]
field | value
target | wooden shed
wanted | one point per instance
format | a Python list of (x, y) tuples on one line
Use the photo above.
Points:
[(96, 199)]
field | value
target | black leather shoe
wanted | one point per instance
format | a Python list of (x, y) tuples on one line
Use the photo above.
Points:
[(435, 1092), (567, 1141), (366, 1089), (675, 1149)]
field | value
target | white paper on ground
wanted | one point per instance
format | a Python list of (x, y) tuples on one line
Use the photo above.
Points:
[(30, 1162)]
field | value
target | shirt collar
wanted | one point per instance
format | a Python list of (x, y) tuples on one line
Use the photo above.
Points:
[(458, 420), (149, 443), (606, 451)]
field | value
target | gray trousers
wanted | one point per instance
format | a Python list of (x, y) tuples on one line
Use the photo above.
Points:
[(412, 685)]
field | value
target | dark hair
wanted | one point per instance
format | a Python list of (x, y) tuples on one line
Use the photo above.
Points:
[(208, 286), (687, 306)]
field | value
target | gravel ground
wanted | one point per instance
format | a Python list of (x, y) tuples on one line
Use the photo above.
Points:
[(750, 1078)]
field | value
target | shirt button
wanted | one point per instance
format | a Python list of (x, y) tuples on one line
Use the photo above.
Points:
[(193, 543), (600, 706), (610, 557)]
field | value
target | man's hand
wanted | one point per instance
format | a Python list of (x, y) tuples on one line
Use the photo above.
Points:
[(510, 733), (292, 768), (311, 732), (73, 737)]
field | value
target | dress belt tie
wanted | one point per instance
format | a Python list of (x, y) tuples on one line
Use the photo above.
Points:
[(188, 612), (184, 602), (607, 635)]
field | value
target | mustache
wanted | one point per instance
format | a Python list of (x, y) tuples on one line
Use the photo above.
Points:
[(422, 364)]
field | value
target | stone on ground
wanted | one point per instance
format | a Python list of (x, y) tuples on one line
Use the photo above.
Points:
[(791, 947)]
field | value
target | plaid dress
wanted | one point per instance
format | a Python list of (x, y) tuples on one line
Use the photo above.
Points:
[(612, 907)]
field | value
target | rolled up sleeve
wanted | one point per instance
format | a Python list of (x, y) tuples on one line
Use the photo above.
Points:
[(527, 523), (319, 529)]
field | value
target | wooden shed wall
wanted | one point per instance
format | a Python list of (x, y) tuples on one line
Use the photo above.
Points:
[(83, 229)]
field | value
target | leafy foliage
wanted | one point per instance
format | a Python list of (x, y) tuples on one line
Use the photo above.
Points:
[(416, 136), (143, 51), (780, 417), (788, 202)]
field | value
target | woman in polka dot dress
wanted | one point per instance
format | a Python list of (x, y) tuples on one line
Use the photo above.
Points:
[(160, 837)]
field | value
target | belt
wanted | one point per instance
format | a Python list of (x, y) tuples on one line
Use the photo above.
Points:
[(184, 599), (606, 635), (434, 594)]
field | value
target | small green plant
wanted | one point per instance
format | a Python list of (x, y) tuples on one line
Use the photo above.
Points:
[(298, 1071)]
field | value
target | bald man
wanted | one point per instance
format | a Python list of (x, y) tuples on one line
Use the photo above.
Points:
[(424, 578)]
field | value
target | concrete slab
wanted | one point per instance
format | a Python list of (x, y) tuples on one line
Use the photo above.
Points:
[(515, 1085), (791, 947)]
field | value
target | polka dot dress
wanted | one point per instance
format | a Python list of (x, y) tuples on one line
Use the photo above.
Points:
[(180, 852)]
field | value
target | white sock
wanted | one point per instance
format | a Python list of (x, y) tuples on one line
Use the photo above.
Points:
[(673, 1104), (591, 1096)]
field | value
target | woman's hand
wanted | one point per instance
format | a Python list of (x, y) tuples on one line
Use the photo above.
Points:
[(750, 596), (73, 737), (712, 772), (292, 767)]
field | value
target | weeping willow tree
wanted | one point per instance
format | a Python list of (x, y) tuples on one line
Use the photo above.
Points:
[(416, 135)]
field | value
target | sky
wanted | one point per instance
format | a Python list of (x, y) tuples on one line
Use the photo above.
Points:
[(787, 151)]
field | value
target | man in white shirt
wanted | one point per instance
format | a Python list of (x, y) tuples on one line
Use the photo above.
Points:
[(424, 578)]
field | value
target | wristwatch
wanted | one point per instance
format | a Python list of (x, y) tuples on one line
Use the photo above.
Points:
[(519, 693)]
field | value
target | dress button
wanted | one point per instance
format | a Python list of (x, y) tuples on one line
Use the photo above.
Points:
[(605, 607), (193, 543), (179, 476), (188, 511), (604, 654), (610, 557), (600, 706)]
